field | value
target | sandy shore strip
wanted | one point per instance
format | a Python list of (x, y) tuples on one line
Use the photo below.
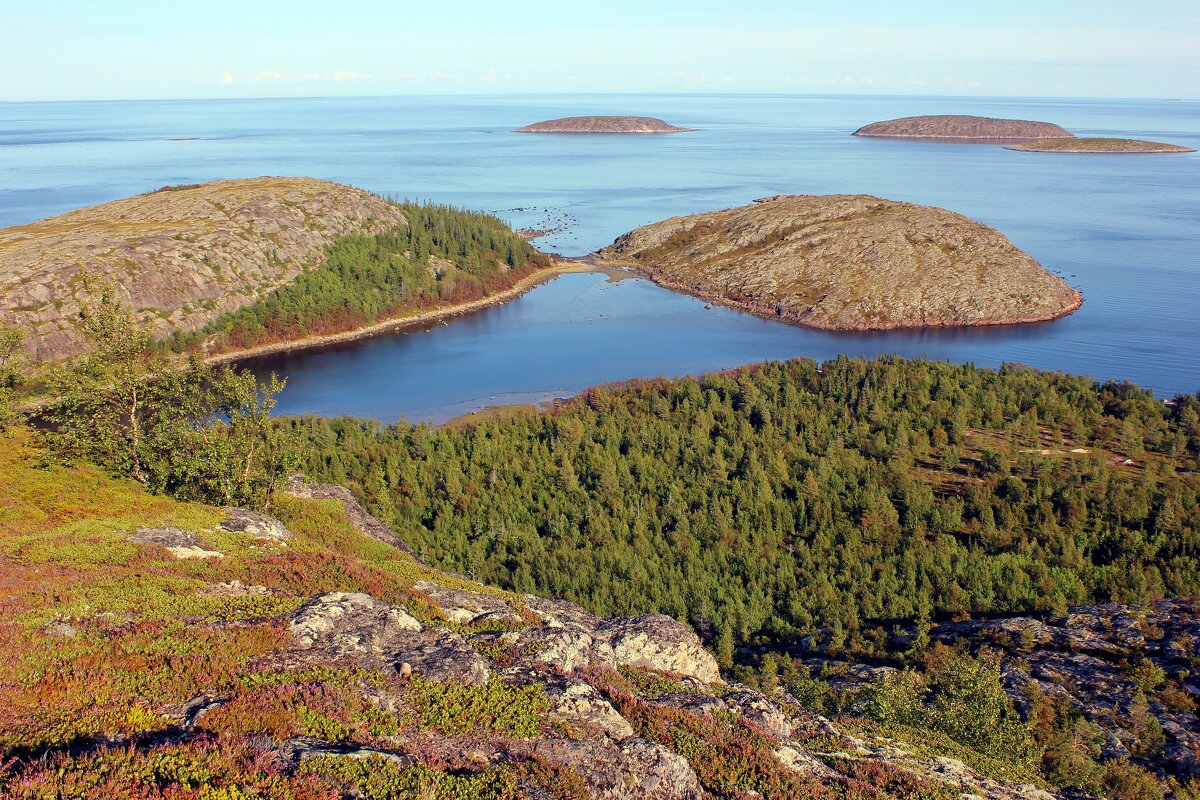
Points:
[(561, 266)]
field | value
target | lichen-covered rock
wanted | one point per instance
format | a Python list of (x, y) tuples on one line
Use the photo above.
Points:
[(440, 655), (259, 526), (177, 541), (466, 608), (180, 256), (565, 647), (342, 627), (631, 769), (574, 703), (847, 262), (658, 642), (557, 613)]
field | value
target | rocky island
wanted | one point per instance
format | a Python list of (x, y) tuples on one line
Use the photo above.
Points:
[(955, 126), (182, 255), (847, 262), (602, 124), (1090, 144)]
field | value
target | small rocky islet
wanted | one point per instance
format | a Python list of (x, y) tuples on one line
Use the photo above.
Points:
[(1095, 144), (603, 124), (847, 262)]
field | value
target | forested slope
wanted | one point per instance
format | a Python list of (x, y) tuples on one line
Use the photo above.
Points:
[(768, 504), (440, 256)]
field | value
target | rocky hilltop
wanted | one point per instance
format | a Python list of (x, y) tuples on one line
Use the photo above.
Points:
[(181, 256), (954, 126), (848, 262), (602, 125), (1090, 144), (163, 649)]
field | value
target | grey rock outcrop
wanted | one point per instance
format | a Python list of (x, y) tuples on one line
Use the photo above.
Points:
[(351, 626), (180, 257), (259, 526), (355, 628), (178, 542), (658, 642)]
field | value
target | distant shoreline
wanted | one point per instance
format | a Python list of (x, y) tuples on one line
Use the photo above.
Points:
[(561, 266)]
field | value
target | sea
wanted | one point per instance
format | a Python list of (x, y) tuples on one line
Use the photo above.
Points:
[(1123, 229)]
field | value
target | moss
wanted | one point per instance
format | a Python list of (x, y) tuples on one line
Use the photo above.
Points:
[(495, 707), (379, 778)]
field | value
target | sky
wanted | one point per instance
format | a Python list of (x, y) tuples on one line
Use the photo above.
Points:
[(163, 49)]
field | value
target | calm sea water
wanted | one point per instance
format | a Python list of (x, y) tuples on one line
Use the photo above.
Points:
[(1122, 229)]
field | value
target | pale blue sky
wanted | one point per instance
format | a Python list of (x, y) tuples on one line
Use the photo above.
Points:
[(126, 49)]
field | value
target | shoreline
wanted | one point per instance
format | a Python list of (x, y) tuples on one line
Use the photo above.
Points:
[(561, 266), (765, 311)]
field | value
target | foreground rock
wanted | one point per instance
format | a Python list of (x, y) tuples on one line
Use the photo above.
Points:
[(1100, 145), (180, 256), (848, 262), (602, 125), (954, 126), (1130, 671)]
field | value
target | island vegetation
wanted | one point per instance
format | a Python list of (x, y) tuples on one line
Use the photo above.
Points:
[(1097, 144), (440, 257)]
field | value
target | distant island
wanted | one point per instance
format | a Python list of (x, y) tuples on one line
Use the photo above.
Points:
[(847, 262), (602, 125), (953, 126), (1091, 144)]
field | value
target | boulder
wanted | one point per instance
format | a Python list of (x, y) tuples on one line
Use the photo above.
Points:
[(658, 642)]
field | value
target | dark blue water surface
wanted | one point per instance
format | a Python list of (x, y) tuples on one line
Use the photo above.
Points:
[(1122, 229)]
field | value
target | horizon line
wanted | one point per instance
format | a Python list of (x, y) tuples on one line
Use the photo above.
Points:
[(597, 94)]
